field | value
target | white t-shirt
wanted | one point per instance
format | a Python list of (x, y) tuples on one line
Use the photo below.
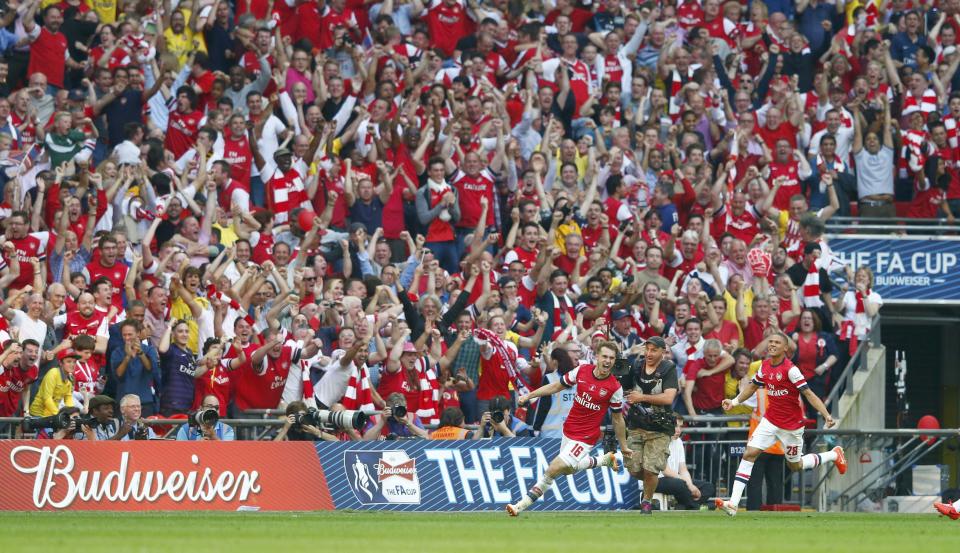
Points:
[(36, 330), (333, 385), (676, 455), (861, 321)]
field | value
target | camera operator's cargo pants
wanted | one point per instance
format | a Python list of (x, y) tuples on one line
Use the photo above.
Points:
[(650, 451)]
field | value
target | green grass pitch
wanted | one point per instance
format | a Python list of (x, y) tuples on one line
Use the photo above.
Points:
[(484, 532)]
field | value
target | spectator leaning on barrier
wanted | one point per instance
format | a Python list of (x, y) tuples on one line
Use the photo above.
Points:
[(675, 479), (56, 388)]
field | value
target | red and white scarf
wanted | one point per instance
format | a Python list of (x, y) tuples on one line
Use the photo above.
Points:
[(358, 394), (509, 356), (811, 287), (307, 383), (212, 292), (429, 392), (560, 304), (822, 164)]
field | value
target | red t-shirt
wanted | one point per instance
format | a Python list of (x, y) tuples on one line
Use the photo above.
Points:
[(256, 390), (182, 131), (13, 381), (708, 391), (594, 397), (783, 383), (448, 24), (470, 189), (48, 56)]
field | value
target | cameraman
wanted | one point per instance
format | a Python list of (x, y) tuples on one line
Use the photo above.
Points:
[(300, 432), (73, 432), (395, 421), (132, 422), (217, 432), (105, 427), (651, 387), (499, 421)]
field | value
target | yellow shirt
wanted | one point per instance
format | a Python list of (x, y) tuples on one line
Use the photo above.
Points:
[(563, 230), (228, 235), (53, 391), (731, 314), (106, 10), (179, 310), (181, 45), (731, 387)]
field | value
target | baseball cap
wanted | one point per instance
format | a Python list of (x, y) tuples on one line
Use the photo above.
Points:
[(620, 314), (657, 342), (97, 401), (69, 352), (910, 110), (408, 347), (281, 152)]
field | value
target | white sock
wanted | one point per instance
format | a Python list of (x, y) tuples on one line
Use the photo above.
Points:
[(536, 492), (593, 462), (740, 481), (956, 504), (814, 460)]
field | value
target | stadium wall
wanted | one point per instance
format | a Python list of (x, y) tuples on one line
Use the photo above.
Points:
[(406, 475)]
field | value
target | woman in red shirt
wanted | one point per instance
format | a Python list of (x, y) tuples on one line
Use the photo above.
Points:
[(816, 353)]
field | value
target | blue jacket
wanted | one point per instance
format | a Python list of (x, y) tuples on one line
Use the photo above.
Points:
[(136, 379)]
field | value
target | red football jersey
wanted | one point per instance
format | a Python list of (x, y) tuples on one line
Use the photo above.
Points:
[(182, 131), (593, 397), (78, 325), (13, 382), (783, 382)]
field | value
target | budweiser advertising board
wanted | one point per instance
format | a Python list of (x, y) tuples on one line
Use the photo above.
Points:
[(161, 476)]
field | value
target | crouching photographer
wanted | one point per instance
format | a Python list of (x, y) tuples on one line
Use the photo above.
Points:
[(500, 422), (133, 427), (67, 424), (204, 424), (651, 387), (299, 427), (395, 422)]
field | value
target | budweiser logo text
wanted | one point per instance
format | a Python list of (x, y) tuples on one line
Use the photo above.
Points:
[(404, 470), (57, 485)]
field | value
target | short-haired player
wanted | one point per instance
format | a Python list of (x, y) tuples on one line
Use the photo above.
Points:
[(597, 391), (782, 421)]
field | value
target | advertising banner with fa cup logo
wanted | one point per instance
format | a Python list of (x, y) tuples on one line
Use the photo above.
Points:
[(463, 475), (161, 476)]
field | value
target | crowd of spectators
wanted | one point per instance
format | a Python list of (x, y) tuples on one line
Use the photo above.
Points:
[(358, 204)]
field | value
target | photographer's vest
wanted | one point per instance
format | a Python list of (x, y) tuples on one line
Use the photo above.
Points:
[(560, 405), (449, 433)]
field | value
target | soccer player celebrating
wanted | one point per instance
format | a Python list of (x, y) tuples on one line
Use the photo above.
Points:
[(782, 421), (596, 392)]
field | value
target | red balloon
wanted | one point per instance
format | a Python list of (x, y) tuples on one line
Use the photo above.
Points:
[(305, 220), (928, 422)]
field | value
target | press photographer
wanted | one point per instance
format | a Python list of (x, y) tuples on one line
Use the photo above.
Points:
[(204, 423), (105, 426), (651, 388), (67, 424), (299, 427), (499, 421), (130, 413), (395, 421)]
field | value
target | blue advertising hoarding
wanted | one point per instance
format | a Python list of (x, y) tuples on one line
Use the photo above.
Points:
[(907, 269), (471, 475)]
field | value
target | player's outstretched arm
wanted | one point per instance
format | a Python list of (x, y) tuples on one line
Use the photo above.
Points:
[(744, 395), (820, 407), (620, 431), (546, 390)]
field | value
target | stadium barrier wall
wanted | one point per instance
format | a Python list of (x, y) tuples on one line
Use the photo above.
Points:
[(161, 476), (469, 475)]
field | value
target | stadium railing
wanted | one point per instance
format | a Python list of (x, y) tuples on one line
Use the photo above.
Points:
[(857, 362), (877, 225)]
